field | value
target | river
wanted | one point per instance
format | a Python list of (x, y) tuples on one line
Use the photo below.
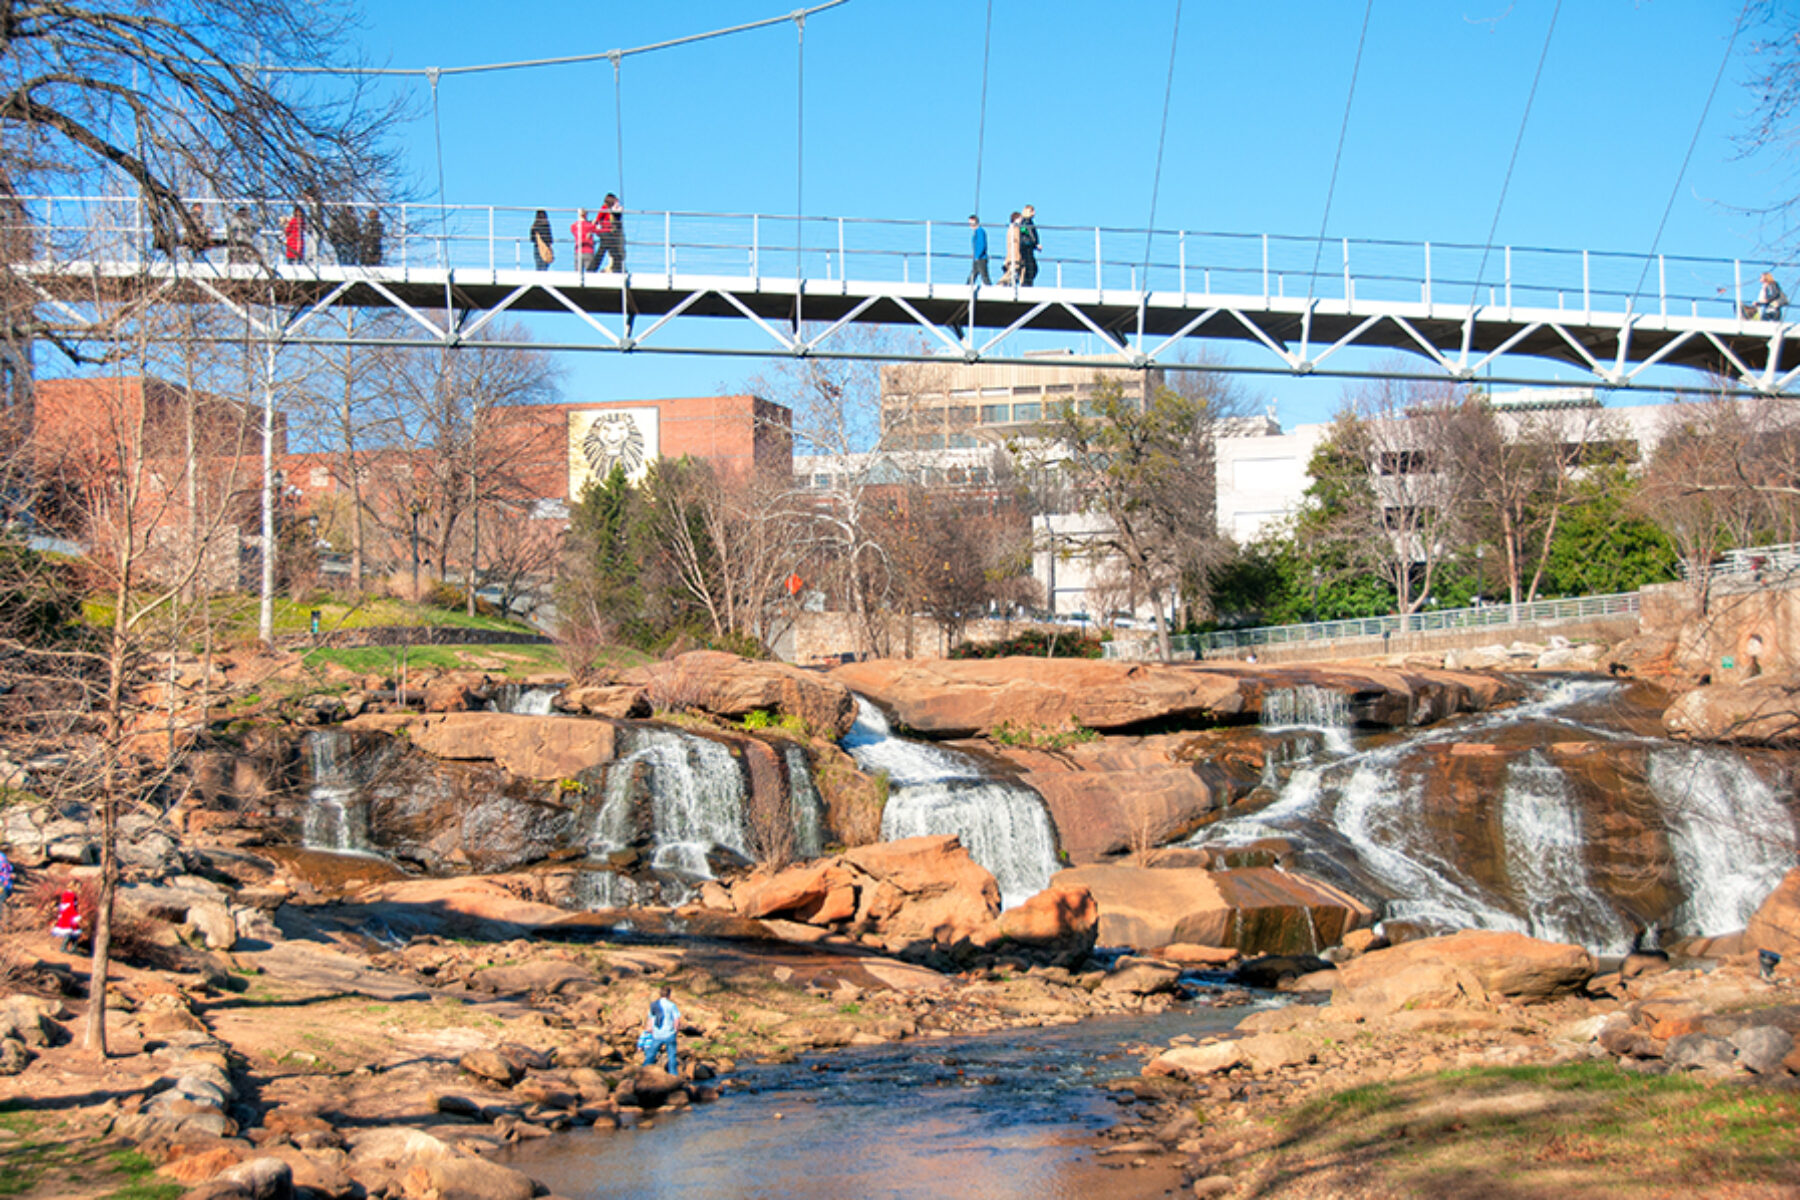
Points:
[(1006, 1115)]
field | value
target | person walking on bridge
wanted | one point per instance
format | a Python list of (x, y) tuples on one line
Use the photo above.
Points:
[(543, 243), (1028, 246), (1010, 274), (585, 233), (978, 269), (293, 236), (1769, 298), (612, 233)]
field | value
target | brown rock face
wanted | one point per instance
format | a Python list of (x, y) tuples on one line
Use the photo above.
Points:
[(1257, 910), (730, 686), (530, 747), (619, 701), (1104, 797), (960, 698), (1761, 711), (1776, 925), (1473, 966)]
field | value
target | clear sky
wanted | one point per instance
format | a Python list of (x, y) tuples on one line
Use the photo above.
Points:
[(1075, 96)]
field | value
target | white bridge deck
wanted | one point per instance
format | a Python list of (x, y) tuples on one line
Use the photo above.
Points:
[(1463, 312)]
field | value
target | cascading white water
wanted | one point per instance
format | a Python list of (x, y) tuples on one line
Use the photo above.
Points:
[(932, 790), (697, 799), (1545, 861), (1371, 822), (526, 701), (807, 807), (335, 818), (1325, 710), (1733, 839)]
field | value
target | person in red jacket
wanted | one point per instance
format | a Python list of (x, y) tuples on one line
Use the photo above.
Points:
[(586, 235), (66, 929), (294, 236)]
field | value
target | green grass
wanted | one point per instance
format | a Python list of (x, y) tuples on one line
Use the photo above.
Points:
[(1552, 1128), (387, 660), (43, 1149), (235, 617)]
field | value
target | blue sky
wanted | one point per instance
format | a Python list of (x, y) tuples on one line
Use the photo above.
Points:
[(1075, 95)]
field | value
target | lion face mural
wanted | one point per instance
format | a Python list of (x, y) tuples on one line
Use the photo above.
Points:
[(614, 440), (601, 440)]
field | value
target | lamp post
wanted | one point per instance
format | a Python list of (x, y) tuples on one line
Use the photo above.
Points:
[(414, 509)]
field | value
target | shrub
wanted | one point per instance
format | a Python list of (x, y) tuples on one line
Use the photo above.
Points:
[(1042, 737), (1032, 643)]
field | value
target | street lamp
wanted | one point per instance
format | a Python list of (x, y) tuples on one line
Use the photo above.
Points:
[(415, 508)]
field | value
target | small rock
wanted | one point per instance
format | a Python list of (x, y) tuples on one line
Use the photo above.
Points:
[(491, 1064), (1701, 1052), (1761, 1048), (1213, 1186)]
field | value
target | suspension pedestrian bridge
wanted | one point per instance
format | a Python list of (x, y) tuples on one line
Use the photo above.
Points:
[(1458, 311)]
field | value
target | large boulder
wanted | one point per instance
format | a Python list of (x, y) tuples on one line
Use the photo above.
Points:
[(1473, 966), (1063, 919), (1257, 910), (729, 686), (818, 893), (605, 700), (924, 889), (1776, 925), (1764, 710)]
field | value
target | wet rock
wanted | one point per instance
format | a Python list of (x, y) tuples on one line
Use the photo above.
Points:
[(1276, 970), (1762, 1048), (530, 747), (1139, 978), (609, 700), (1762, 711), (465, 1178), (1196, 1062)]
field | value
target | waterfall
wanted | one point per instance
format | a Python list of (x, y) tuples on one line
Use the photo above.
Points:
[(1545, 862), (1325, 710), (526, 701), (1732, 838), (1364, 822), (807, 807), (932, 790), (336, 817), (697, 793)]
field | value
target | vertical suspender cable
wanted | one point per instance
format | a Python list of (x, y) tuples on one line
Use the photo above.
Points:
[(1487, 246), (987, 42), (437, 130), (619, 123), (1312, 276), (1161, 137), (1687, 159), (799, 165)]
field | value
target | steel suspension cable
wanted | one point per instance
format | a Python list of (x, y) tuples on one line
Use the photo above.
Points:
[(619, 124), (987, 42), (567, 60), (1337, 158), (800, 163), (1688, 158), (1487, 246), (1162, 135)]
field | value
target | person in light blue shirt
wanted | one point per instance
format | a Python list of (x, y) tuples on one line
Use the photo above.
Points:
[(661, 1028), (978, 270)]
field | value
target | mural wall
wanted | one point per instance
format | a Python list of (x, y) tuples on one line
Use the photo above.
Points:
[(600, 438)]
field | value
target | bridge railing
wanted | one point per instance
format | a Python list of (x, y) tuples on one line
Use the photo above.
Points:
[(1487, 616), (827, 251)]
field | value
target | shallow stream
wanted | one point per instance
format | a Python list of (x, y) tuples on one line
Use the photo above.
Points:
[(1002, 1116)]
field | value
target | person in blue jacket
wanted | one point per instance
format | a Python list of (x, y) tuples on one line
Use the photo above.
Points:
[(661, 1028), (978, 270)]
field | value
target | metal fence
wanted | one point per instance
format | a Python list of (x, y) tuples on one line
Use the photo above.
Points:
[(1754, 561), (1486, 616), (76, 229)]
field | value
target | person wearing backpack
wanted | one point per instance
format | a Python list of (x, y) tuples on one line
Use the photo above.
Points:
[(660, 1029), (1028, 245)]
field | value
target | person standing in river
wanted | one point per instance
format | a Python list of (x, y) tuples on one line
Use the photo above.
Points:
[(663, 1024)]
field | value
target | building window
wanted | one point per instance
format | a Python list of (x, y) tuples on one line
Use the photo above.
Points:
[(993, 414), (1027, 412)]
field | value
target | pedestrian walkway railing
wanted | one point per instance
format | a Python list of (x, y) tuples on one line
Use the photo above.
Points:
[(824, 251), (1753, 561), (1486, 616)]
